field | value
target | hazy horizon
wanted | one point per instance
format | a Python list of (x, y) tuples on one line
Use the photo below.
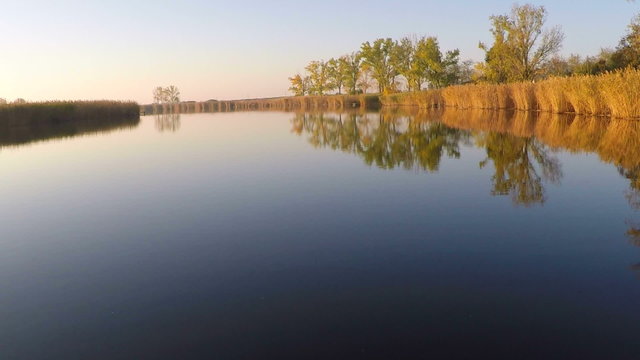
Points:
[(89, 50)]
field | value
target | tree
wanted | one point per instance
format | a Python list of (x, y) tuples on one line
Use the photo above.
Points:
[(465, 72), (378, 58), (19, 101), (3, 101), (172, 94), (439, 70), (521, 44), (365, 82), (299, 85), (351, 65), (158, 95), (628, 52), (338, 73), (402, 61), (319, 77)]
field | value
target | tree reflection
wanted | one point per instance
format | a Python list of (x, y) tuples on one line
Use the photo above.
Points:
[(636, 269), (519, 146), (386, 140), (167, 122), (521, 167), (633, 198), (390, 140)]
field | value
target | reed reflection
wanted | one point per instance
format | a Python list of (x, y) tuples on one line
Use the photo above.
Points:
[(167, 122), (34, 130)]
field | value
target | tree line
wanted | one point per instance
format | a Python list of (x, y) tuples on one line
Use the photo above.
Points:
[(389, 65), (523, 48)]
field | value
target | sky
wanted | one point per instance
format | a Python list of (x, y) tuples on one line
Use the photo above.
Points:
[(116, 49)]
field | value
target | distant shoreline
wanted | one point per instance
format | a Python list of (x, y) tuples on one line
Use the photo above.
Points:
[(613, 95)]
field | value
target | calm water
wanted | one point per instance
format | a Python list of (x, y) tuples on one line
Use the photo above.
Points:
[(334, 236)]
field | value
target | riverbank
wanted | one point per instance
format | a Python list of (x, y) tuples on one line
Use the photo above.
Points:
[(615, 94), (326, 102)]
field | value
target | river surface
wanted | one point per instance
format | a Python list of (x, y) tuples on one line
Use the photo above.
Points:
[(272, 235)]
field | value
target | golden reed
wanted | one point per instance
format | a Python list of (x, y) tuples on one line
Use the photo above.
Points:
[(614, 94)]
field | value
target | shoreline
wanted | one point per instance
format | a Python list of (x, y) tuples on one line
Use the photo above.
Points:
[(610, 95)]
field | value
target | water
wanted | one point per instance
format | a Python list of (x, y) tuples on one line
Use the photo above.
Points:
[(281, 235)]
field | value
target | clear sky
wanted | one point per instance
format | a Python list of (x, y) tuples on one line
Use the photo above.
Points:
[(116, 49)]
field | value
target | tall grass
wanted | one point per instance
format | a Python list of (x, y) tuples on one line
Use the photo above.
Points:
[(61, 111), (25, 123), (614, 94)]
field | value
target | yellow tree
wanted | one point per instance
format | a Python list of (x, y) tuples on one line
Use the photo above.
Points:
[(299, 85)]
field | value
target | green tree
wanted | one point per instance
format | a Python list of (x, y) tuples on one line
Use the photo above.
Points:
[(351, 66), (337, 73), (319, 77), (521, 45), (403, 62), (439, 70), (378, 58), (365, 81), (628, 52)]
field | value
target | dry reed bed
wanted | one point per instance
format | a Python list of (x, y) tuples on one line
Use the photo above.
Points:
[(25, 123), (614, 94), (61, 111)]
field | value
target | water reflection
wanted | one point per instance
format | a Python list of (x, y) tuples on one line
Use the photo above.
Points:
[(521, 164), (386, 140), (12, 134), (520, 146), (395, 139), (169, 122)]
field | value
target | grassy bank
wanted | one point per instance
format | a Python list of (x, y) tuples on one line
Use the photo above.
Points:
[(24, 123), (615, 94)]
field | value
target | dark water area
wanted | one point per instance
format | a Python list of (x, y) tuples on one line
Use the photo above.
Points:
[(273, 235)]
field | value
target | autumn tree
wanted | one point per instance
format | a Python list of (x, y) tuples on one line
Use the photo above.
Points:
[(378, 58), (440, 69), (337, 73), (404, 64), (352, 67), (628, 52), (521, 45), (299, 85), (320, 77)]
